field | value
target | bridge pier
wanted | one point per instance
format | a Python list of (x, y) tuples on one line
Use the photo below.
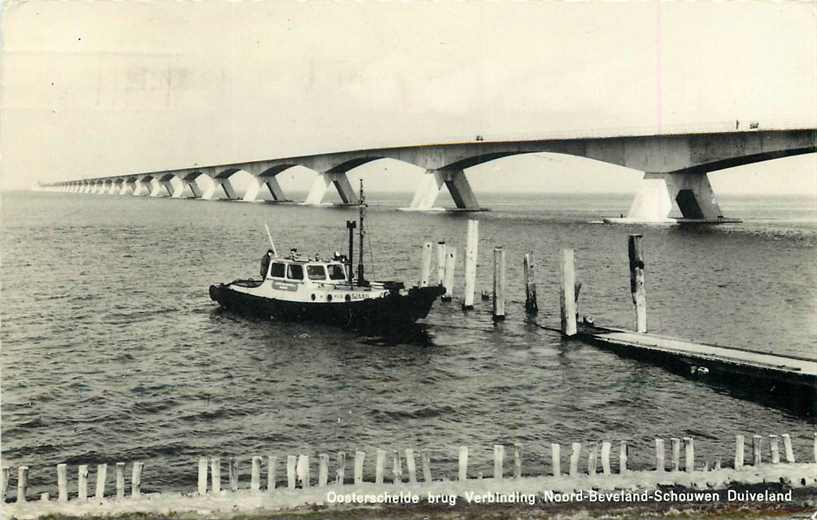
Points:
[(111, 187), (189, 182), (127, 187), (225, 185), (321, 185), (431, 184), (674, 197), (167, 184), (143, 187)]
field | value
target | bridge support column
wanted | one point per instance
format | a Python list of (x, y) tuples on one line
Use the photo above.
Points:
[(143, 187), (168, 186), (224, 184), (111, 188), (321, 185), (191, 184), (253, 189), (274, 188), (127, 187), (431, 184), (674, 197)]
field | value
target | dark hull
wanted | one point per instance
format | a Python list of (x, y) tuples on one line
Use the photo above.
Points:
[(393, 310)]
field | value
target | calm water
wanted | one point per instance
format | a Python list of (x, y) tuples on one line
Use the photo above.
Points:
[(112, 349)]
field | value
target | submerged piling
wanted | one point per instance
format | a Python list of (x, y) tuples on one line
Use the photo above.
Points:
[(410, 466), (323, 470), (637, 287), (499, 284), (441, 262), (425, 457), (555, 460), (136, 479), (202, 480), (471, 250), (450, 267), (215, 474), (463, 463), (101, 477), (120, 480), (340, 471), (499, 457), (82, 482), (272, 467), (567, 296), (738, 451), (425, 265), (22, 483), (62, 482), (531, 306), (255, 473)]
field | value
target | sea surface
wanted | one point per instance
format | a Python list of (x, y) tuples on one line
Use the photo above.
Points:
[(112, 350)]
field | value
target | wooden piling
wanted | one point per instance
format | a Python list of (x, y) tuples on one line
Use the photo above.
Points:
[(360, 458), (202, 482), (5, 475), (410, 466), (499, 458), (623, 455), (292, 460), (689, 454), (101, 478), (605, 457), (45, 497), (255, 473), (379, 464), (323, 463), (397, 468), (425, 459), (592, 457), (463, 463), (215, 474), (717, 464), (659, 455), (441, 262), (637, 287), (517, 461), (575, 453), (120, 481), (738, 451), (499, 284), (82, 482), (62, 483), (272, 472), (471, 248), (136, 479), (302, 471), (425, 265), (232, 471), (676, 453), (567, 296), (22, 483), (555, 459), (775, 449), (340, 471), (787, 448), (450, 267), (815, 447), (757, 446), (531, 306)]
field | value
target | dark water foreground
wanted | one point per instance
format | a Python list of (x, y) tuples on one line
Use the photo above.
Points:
[(112, 350)]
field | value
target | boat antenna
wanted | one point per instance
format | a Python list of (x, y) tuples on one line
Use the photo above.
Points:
[(361, 234), (271, 243)]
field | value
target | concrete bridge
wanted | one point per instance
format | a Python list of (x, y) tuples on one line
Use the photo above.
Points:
[(675, 186)]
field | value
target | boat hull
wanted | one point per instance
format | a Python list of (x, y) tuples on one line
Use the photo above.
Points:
[(392, 310)]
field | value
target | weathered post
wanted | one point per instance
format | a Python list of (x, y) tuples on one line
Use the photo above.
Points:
[(463, 463), (556, 459), (272, 471), (441, 262), (757, 446), (592, 456), (775, 449), (302, 470), (530, 284), (567, 296), (291, 462), (379, 464), (215, 474), (340, 471), (360, 457), (425, 459), (676, 453), (82, 482), (410, 466), (232, 470), (255, 474), (62, 483), (450, 267), (605, 457), (120, 480), (22, 483), (425, 265), (622, 457), (202, 480), (738, 451), (659, 455), (499, 284), (499, 457), (575, 453), (5, 475), (471, 248), (637, 288), (136, 479), (689, 454), (323, 469), (787, 448), (45, 497), (101, 477), (397, 468), (815, 446), (517, 462)]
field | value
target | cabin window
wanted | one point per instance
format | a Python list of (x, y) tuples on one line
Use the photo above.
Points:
[(295, 272), (336, 272), (316, 272), (277, 270)]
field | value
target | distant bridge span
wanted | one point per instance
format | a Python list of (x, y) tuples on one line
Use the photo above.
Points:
[(675, 184)]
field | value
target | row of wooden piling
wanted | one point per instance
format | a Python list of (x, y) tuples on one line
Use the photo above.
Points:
[(599, 460)]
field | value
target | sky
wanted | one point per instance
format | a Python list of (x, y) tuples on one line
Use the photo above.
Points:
[(109, 88)]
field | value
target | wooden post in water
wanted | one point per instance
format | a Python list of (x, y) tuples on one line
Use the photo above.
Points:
[(441, 262), (5, 475), (302, 471), (815, 447), (101, 477), (676, 453), (637, 288), (757, 446), (450, 267), (379, 465), (202, 482), (136, 480), (397, 468), (120, 480), (411, 466), (45, 497), (463, 463), (567, 295), (499, 284), (592, 456), (425, 266), (556, 459), (425, 459), (360, 457), (738, 451), (517, 462), (82, 482), (272, 471), (22, 483), (499, 458), (575, 453), (292, 460), (775, 448), (787, 448), (62, 483), (323, 470), (605, 457), (622, 457), (659, 455), (471, 249), (255, 474), (340, 471), (232, 470), (530, 284), (689, 454), (215, 475)]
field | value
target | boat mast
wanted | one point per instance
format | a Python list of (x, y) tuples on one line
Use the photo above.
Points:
[(361, 234), (350, 225)]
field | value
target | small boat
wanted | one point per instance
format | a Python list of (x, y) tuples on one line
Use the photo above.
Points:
[(300, 288)]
